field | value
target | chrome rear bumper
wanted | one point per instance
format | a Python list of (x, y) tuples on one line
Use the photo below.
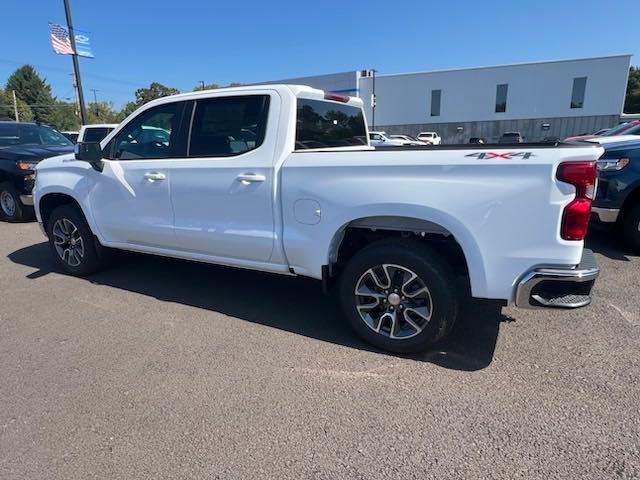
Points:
[(557, 287)]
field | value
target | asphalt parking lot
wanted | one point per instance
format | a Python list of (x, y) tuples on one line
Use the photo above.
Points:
[(166, 369)]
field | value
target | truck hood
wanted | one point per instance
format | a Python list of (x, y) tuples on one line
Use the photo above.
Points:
[(33, 153)]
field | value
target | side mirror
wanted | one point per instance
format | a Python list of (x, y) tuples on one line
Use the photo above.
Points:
[(90, 152)]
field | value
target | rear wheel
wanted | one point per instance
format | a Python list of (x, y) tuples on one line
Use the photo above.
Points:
[(399, 295), (74, 247), (631, 226)]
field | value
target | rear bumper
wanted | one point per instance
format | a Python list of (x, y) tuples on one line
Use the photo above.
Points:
[(605, 215), (557, 287)]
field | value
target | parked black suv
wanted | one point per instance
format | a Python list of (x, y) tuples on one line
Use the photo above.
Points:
[(22, 146), (618, 196)]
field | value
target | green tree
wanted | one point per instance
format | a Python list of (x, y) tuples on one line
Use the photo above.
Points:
[(206, 86), (155, 90), (64, 117), (127, 110), (6, 107), (34, 91), (632, 98), (214, 86), (102, 112)]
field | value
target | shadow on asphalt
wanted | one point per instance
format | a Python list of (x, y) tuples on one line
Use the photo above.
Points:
[(606, 241), (293, 304)]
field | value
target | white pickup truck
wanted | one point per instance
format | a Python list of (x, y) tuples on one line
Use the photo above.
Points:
[(282, 179)]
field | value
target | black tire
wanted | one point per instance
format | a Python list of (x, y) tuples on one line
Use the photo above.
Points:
[(631, 227), (19, 212), (93, 257), (432, 271)]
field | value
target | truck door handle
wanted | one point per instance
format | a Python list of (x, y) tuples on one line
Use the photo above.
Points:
[(155, 176), (247, 178)]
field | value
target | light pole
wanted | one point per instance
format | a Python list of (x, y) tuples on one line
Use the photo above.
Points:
[(76, 64)]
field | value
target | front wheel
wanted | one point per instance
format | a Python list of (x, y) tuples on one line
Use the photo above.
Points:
[(399, 295), (631, 227), (11, 208), (72, 242)]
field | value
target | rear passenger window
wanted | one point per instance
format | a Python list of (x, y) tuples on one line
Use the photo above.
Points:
[(322, 124), (228, 126)]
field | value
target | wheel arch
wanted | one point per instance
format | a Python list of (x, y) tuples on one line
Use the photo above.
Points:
[(50, 201), (457, 242)]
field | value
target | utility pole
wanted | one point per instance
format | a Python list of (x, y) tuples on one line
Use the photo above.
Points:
[(373, 100), (95, 101), (76, 103), (202, 83), (76, 64), (15, 106)]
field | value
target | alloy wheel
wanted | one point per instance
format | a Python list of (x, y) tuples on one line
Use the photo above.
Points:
[(68, 242), (393, 301)]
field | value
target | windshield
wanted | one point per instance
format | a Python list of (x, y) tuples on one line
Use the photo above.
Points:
[(617, 130), (30, 134)]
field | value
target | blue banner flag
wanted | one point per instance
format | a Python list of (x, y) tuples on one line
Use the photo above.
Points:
[(83, 45)]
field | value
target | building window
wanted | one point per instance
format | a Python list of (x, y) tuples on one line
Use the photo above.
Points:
[(577, 93), (501, 97), (436, 96)]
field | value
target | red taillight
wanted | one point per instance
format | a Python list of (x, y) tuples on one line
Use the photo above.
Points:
[(575, 219), (336, 98)]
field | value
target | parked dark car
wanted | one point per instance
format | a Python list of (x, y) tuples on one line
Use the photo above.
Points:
[(477, 140), (511, 137), (617, 200), (627, 128), (22, 146)]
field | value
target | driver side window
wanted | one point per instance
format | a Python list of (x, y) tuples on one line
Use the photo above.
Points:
[(152, 134)]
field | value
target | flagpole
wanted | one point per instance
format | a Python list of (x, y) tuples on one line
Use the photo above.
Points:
[(76, 64)]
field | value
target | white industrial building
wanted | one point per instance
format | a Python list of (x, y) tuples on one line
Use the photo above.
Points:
[(539, 99)]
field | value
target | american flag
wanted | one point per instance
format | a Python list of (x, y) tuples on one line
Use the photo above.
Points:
[(60, 39)]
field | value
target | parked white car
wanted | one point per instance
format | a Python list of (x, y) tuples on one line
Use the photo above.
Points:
[(431, 137), (275, 178), (380, 139), (408, 140), (95, 132)]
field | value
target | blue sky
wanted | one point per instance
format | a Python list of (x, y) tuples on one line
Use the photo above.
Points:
[(179, 43)]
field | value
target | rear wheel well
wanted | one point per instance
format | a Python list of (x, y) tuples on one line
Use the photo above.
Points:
[(355, 239), (50, 202)]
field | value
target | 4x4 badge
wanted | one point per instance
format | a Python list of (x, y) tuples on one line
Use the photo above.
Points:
[(505, 155)]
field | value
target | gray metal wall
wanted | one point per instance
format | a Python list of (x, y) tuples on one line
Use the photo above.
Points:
[(531, 129)]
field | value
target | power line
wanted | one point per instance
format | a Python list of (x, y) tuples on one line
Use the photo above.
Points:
[(68, 105), (42, 67)]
